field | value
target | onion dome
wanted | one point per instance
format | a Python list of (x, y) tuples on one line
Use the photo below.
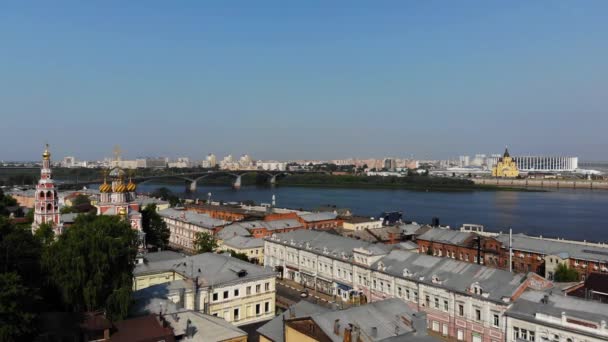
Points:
[(121, 187), (46, 155), (105, 187), (131, 186), (122, 212)]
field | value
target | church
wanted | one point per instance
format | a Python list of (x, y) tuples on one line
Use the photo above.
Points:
[(506, 167)]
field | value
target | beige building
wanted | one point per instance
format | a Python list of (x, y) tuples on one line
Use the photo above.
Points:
[(216, 284), (184, 225), (361, 223), (544, 316), (252, 247)]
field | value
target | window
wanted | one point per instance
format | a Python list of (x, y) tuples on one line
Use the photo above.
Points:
[(267, 287), (416, 296), (460, 335), (225, 294), (436, 303), (267, 307), (236, 292), (477, 314), (428, 301), (399, 291), (374, 282), (444, 330), (496, 320), (235, 314), (388, 286), (407, 293), (257, 309), (516, 332), (435, 326), (248, 290), (446, 306), (215, 297), (532, 336), (257, 288), (524, 334), (460, 310), (215, 314)]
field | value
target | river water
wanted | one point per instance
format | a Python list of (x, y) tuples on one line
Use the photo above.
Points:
[(567, 213)]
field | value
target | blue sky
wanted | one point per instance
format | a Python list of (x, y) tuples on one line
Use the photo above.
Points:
[(308, 79)]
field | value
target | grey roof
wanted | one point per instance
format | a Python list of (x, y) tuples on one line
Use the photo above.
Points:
[(385, 316), (232, 230), (210, 268), (241, 242), (144, 201), (274, 329), (449, 236), (314, 217), (530, 303), (551, 247), (408, 245), (409, 228), (319, 241), (69, 218), (282, 224), (197, 219), (455, 275), (163, 256), (207, 328)]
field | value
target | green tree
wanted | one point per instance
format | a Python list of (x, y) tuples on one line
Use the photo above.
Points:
[(45, 234), (166, 195), (16, 308), (81, 200), (92, 263), (205, 242), (565, 274), (241, 256), (157, 232)]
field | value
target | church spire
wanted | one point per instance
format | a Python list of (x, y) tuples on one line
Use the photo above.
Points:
[(506, 152)]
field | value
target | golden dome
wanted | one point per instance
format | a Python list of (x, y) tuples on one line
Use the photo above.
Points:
[(122, 211), (121, 187), (105, 187), (131, 186), (46, 155)]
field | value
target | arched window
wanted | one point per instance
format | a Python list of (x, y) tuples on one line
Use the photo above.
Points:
[(49, 207), (41, 195), (49, 194)]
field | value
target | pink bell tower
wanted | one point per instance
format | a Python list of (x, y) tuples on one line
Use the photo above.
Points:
[(46, 209)]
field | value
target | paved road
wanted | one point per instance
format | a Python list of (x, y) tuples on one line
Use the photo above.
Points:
[(288, 295)]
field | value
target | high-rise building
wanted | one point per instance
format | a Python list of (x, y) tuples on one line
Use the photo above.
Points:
[(46, 207), (212, 159), (464, 161)]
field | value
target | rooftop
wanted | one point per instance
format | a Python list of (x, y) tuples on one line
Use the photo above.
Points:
[(535, 305), (202, 328), (551, 247), (209, 268), (200, 220), (315, 217), (322, 242), (448, 236), (242, 242), (455, 275), (274, 328)]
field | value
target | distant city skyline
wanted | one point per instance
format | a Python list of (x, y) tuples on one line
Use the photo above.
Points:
[(315, 80)]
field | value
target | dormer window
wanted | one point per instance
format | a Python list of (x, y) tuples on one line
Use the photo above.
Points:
[(476, 289), (406, 272), (435, 279), (380, 266)]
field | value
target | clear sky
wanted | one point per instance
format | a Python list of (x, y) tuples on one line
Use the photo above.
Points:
[(304, 79)]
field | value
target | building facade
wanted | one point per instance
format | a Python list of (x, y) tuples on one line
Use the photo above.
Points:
[(184, 225), (216, 284), (462, 301), (119, 198), (506, 167)]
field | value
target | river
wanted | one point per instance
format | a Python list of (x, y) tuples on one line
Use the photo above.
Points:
[(565, 213)]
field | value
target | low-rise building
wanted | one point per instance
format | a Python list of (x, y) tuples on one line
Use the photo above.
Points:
[(387, 320), (215, 284), (361, 223), (274, 331), (184, 225), (463, 301), (194, 326), (250, 246), (319, 221), (544, 316), (225, 212)]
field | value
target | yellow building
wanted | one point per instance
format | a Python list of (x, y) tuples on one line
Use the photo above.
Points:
[(218, 285), (252, 247), (506, 167)]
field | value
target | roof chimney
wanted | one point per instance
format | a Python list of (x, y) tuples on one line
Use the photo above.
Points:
[(337, 327)]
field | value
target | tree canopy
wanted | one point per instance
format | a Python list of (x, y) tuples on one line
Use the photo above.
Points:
[(565, 274), (205, 243), (157, 232), (16, 308), (166, 195), (92, 263)]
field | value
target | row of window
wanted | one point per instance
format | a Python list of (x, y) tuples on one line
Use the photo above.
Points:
[(236, 312), (236, 292)]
